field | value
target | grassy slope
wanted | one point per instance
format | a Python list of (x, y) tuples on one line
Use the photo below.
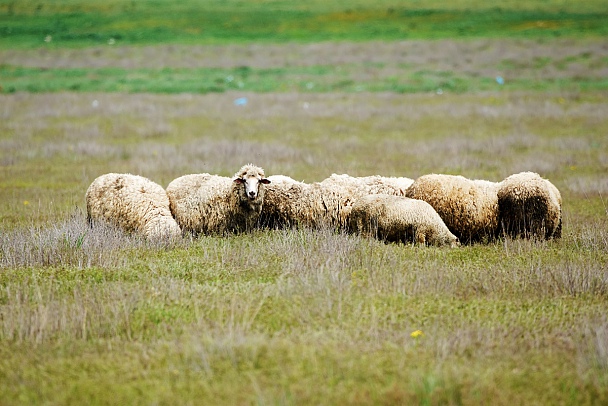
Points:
[(298, 317)]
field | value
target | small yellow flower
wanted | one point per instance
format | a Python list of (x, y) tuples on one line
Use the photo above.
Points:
[(25, 202), (416, 334)]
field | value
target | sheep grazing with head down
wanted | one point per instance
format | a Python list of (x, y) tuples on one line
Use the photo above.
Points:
[(530, 206), (132, 203), (399, 219), (468, 207), (212, 204)]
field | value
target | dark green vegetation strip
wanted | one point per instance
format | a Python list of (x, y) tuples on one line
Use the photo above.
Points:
[(75, 24), (304, 79)]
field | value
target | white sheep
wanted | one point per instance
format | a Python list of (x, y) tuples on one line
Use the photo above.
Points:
[(289, 203), (281, 179), (322, 204), (340, 192), (530, 206), (370, 184), (395, 185), (399, 219), (133, 203), (213, 204), (282, 202), (468, 207)]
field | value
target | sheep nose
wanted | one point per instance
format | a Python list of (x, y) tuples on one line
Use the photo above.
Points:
[(252, 194)]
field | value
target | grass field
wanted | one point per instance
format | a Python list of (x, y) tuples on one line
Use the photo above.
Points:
[(77, 23), (402, 67), (300, 316)]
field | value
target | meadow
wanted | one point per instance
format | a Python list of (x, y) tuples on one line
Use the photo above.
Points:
[(96, 316)]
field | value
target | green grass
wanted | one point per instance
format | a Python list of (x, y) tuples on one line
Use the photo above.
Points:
[(95, 316), (54, 145), (213, 321), (161, 47), (466, 66), (299, 316), (76, 24), (306, 79)]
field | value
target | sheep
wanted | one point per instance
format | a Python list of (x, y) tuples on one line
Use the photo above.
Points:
[(399, 219), (213, 204), (289, 203), (340, 192), (371, 184), (281, 179), (395, 185), (529, 206), (401, 183), (281, 201), (132, 203), (468, 207), (322, 204)]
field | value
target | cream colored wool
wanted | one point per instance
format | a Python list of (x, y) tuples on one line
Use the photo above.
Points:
[(399, 219), (133, 203), (391, 185), (289, 203), (281, 179), (370, 184), (468, 207), (321, 204), (340, 192), (213, 204), (530, 206), (283, 203)]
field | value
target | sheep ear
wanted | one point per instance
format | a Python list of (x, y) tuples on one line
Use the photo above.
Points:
[(265, 181), (239, 180)]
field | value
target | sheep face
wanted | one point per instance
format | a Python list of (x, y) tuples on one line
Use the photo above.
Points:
[(251, 192)]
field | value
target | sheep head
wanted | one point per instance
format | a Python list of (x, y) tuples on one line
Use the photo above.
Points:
[(249, 181)]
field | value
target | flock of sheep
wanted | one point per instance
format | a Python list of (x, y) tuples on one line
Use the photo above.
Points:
[(431, 210)]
